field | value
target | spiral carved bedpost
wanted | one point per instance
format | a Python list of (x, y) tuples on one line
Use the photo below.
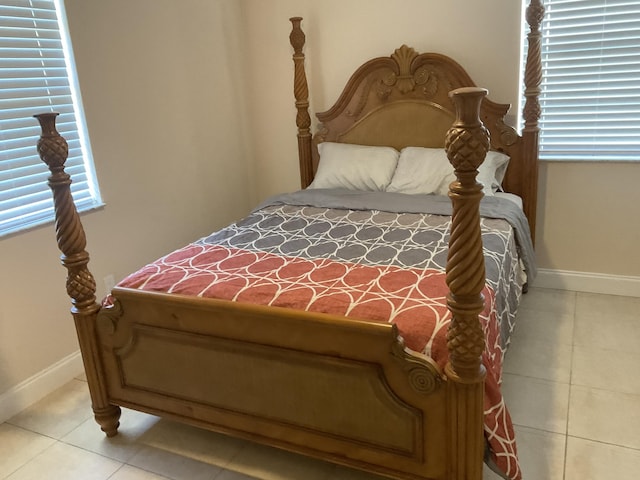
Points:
[(81, 286), (531, 110), (467, 143), (301, 92)]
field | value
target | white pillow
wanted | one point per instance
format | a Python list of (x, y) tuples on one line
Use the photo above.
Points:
[(492, 172), (428, 171), (421, 170), (355, 167)]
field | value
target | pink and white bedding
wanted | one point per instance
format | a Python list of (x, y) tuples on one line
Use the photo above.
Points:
[(372, 256)]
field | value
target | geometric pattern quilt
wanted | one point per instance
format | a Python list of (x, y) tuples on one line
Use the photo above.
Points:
[(366, 264)]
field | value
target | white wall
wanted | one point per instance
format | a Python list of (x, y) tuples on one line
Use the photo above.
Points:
[(163, 96), (588, 219)]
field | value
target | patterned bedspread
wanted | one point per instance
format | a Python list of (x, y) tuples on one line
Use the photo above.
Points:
[(375, 257)]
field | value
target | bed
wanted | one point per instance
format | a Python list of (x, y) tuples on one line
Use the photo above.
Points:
[(305, 321)]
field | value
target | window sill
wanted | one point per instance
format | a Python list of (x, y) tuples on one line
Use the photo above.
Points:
[(47, 222)]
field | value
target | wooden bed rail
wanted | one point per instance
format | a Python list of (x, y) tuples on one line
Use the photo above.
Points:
[(81, 286)]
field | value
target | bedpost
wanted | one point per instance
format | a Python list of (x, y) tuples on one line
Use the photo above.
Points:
[(467, 143), (81, 286), (531, 111), (301, 92)]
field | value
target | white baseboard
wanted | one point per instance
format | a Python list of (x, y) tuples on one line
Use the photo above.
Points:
[(40, 385), (588, 282)]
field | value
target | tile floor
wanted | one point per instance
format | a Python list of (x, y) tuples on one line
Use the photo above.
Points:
[(570, 383)]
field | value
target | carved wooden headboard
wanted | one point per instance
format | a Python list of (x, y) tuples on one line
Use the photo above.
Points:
[(403, 100)]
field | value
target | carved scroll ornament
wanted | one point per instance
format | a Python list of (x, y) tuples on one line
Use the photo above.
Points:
[(423, 374)]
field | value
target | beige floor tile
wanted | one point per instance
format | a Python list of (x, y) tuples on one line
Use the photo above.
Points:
[(61, 461), (561, 302), (127, 472), (172, 465), (18, 446), (123, 446), (541, 325), (268, 463), (608, 331), (605, 416), (488, 474), (547, 360), (343, 473), (606, 369), (58, 413), (607, 306), (587, 460), (536, 403), (541, 454), (190, 442), (231, 475)]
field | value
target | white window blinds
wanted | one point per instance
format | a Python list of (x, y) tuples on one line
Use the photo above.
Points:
[(36, 76), (590, 95)]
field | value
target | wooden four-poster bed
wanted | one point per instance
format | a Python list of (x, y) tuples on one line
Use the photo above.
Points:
[(351, 389)]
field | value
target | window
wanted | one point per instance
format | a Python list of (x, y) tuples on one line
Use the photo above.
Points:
[(590, 96), (37, 75)]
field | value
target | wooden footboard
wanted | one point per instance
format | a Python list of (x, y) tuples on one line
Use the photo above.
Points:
[(326, 386)]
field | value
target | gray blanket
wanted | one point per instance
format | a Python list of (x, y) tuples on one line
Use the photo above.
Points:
[(490, 207)]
